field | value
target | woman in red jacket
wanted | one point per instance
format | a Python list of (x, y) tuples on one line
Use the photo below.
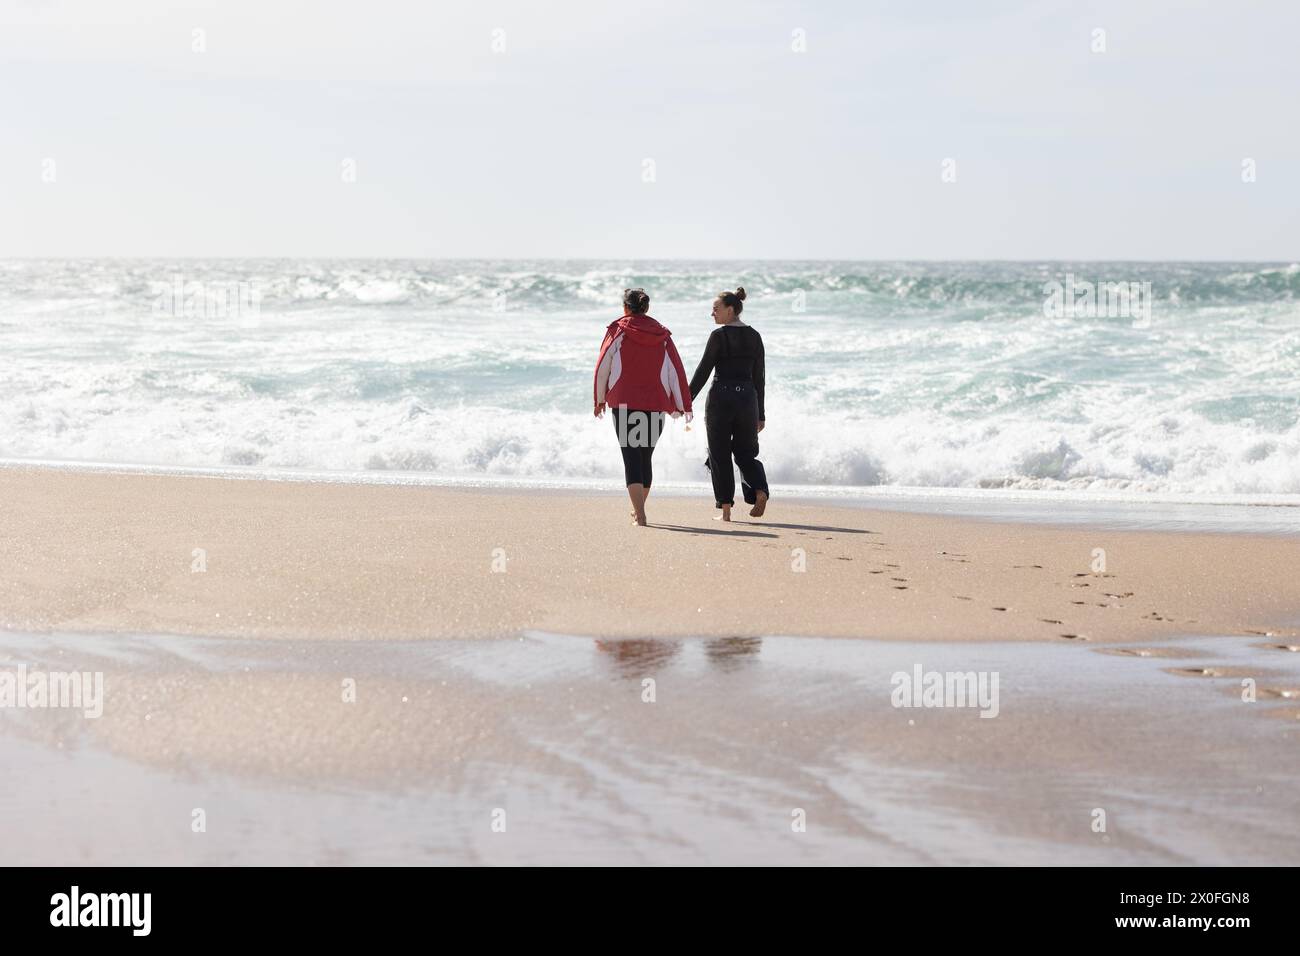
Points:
[(639, 375)]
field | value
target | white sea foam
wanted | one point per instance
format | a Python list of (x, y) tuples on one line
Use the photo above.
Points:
[(941, 376)]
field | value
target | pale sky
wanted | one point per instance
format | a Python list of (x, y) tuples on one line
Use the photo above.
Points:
[(759, 151)]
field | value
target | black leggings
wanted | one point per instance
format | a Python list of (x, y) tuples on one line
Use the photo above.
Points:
[(638, 433), (731, 421)]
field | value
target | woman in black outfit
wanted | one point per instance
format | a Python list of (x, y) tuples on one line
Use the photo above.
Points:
[(734, 413)]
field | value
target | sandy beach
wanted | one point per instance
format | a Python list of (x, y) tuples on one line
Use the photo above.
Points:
[(312, 666), (137, 553)]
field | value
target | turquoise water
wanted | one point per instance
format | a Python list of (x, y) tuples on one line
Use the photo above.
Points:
[(931, 375)]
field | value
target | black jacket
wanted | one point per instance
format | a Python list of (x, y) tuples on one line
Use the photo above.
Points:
[(735, 352)]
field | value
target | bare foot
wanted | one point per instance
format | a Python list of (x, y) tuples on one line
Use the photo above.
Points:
[(726, 514), (760, 504)]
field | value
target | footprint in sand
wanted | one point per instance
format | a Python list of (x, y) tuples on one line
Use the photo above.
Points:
[(1196, 671), (1148, 651), (999, 609), (875, 572), (1039, 566), (1050, 620), (1280, 693), (898, 579), (1226, 670), (900, 587), (838, 558), (1293, 648), (1078, 602), (962, 597), (1074, 637), (1126, 594)]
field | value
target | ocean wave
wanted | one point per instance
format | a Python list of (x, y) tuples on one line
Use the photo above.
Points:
[(1155, 451), (917, 375), (137, 284)]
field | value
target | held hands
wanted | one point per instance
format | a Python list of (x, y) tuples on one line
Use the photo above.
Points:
[(599, 412), (760, 425)]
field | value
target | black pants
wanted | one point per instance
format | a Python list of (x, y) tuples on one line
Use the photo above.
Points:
[(638, 433), (731, 421)]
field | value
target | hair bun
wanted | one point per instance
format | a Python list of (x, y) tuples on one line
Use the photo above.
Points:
[(636, 301), (740, 293)]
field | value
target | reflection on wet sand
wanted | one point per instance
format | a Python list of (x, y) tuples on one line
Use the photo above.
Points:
[(730, 653), (559, 732), (635, 658)]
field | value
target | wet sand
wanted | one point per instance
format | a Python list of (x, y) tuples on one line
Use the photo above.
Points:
[(554, 739), (343, 673), (100, 552)]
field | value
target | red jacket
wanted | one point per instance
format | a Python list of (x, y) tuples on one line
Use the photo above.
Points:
[(639, 368)]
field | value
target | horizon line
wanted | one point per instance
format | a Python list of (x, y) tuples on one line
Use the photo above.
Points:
[(415, 258)]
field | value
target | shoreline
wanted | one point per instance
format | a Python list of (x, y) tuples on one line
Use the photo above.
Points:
[(124, 552), (850, 495)]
